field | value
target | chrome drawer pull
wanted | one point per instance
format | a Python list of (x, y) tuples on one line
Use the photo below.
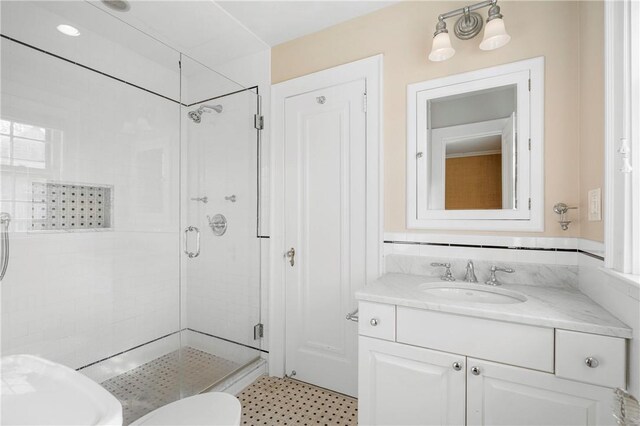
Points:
[(591, 362), (475, 371), (457, 366), (373, 322)]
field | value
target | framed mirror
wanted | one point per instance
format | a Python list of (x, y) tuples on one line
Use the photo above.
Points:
[(475, 150)]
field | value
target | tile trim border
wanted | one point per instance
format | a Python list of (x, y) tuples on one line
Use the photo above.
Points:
[(544, 244)]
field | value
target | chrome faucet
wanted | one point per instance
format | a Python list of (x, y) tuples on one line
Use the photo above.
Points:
[(492, 278), (470, 276), (447, 276)]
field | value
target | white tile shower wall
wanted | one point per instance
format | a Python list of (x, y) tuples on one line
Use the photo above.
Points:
[(622, 299), (79, 297), (223, 283)]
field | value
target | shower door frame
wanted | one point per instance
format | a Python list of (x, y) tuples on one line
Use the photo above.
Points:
[(185, 222)]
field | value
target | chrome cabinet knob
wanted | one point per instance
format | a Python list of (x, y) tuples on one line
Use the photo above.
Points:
[(475, 371), (457, 366), (591, 362), (373, 322)]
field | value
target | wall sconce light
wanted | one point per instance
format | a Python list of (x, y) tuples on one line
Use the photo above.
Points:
[(467, 27)]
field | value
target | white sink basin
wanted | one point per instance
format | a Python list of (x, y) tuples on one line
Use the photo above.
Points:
[(474, 293), (40, 392)]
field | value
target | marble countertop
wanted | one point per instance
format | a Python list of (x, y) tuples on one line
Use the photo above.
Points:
[(563, 308)]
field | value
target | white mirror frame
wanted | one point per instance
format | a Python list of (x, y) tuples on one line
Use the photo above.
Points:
[(528, 76)]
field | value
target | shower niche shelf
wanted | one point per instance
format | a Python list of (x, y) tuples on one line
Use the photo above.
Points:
[(63, 206)]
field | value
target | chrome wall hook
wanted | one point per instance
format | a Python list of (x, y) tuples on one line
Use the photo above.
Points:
[(562, 209)]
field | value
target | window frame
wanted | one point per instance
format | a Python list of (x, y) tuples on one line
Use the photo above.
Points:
[(622, 137)]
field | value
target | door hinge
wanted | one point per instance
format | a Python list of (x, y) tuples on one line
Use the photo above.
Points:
[(258, 121), (258, 331), (529, 203), (529, 84), (364, 102), (529, 144)]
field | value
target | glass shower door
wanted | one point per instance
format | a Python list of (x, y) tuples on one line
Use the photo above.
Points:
[(221, 260)]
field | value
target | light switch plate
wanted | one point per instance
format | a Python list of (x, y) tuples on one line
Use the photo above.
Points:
[(595, 205)]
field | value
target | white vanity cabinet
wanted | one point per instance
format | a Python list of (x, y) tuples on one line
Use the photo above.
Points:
[(416, 375), (405, 385), (504, 395)]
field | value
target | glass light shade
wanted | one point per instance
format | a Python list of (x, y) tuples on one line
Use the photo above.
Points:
[(441, 49), (495, 35)]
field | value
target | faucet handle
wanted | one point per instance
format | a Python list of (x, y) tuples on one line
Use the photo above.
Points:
[(448, 276), (492, 278)]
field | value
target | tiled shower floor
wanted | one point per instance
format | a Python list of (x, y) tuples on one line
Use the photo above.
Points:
[(158, 382)]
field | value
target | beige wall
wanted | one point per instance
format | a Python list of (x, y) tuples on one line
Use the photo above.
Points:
[(403, 33), (591, 112)]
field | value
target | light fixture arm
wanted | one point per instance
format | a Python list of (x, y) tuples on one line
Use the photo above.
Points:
[(468, 9), (441, 27)]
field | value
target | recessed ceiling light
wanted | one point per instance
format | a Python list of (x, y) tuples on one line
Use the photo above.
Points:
[(68, 30), (118, 5)]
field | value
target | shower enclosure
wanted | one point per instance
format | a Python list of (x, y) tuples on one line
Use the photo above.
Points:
[(130, 173)]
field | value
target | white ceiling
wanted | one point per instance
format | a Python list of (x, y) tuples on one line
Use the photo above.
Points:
[(278, 21), (217, 32), (200, 29)]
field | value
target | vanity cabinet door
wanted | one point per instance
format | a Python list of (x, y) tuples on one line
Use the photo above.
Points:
[(406, 385), (499, 394)]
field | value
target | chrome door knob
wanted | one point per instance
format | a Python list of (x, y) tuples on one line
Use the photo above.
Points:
[(373, 322), (457, 366), (475, 371), (591, 362)]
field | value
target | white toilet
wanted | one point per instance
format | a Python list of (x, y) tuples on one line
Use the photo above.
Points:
[(211, 409)]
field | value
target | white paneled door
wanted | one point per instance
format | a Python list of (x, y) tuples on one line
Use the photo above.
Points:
[(325, 224)]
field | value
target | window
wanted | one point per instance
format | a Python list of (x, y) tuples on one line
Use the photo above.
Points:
[(24, 145)]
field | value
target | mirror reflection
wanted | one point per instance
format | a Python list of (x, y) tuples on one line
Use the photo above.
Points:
[(472, 153)]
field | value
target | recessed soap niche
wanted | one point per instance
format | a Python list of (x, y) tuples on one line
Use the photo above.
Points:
[(64, 206)]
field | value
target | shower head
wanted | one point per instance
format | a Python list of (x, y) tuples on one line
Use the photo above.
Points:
[(196, 115)]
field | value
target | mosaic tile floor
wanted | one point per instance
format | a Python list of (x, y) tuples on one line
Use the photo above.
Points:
[(274, 401), (158, 382)]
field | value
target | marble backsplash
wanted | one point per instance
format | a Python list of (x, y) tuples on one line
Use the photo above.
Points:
[(525, 273)]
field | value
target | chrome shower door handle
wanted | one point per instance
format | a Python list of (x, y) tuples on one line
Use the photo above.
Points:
[(186, 243)]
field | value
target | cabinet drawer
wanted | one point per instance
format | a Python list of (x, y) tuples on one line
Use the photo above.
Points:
[(377, 320), (608, 358), (515, 344)]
